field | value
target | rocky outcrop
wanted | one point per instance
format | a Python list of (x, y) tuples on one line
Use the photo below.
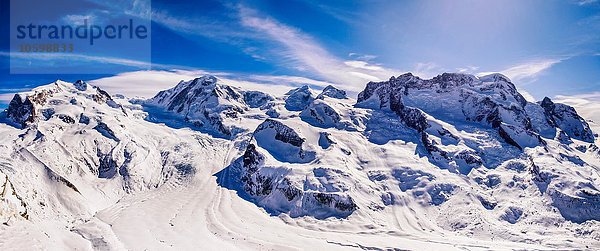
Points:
[(21, 111), (283, 132), (278, 193), (24, 109), (12, 206), (80, 85), (101, 96), (566, 118)]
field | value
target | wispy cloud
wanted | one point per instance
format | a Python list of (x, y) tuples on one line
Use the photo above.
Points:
[(586, 2), (302, 51), (363, 65), (80, 19), (468, 69), (53, 57), (362, 57), (527, 72), (5, 98)]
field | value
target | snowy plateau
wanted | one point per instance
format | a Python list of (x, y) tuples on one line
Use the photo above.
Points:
[(452, 162)]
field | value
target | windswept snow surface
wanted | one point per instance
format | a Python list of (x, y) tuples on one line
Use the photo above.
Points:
[(203, 166)]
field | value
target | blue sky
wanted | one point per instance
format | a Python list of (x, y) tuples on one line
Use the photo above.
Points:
[(547, 48)]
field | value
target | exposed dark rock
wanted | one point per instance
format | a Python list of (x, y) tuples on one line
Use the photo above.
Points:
[(101, 96), (80, 85), (107, 167), (566, 118), (283, 132), (103, 129), (83, 119), (325, 140), (66, 118), (580, 207), (339, 202)]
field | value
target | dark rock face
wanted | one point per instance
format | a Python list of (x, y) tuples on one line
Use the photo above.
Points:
[(254, 183), (283, 132), (80, 85), (337, 201), (103, 129), (66, 118), (414, 118), (107, 167), (21, 111), (566, 118), (325, 140), (83, 119), (101, 96), (25, 110), (470, 158)]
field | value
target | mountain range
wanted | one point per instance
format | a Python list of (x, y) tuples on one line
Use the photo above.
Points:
[(453, 162)]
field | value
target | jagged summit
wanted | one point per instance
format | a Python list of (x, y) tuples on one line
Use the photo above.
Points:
[(207, 103), (494, 77), (491, 100)]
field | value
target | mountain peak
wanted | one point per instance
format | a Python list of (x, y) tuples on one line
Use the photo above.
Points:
[(494, 77), (332, 92), (205, 80)]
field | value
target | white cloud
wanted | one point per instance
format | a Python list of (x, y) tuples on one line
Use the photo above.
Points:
[(527, 95), (53, 57), (527, 72), (427, 70), (5, 98), (362, 57), (363, 65), (586, 2), (80, 19), (302, 51), (145, 84), (142, 84), (468, 69)]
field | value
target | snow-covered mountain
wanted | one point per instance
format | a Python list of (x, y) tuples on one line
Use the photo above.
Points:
[(452, 162)]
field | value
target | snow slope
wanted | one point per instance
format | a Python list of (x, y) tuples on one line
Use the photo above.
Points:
[(208, 166)]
